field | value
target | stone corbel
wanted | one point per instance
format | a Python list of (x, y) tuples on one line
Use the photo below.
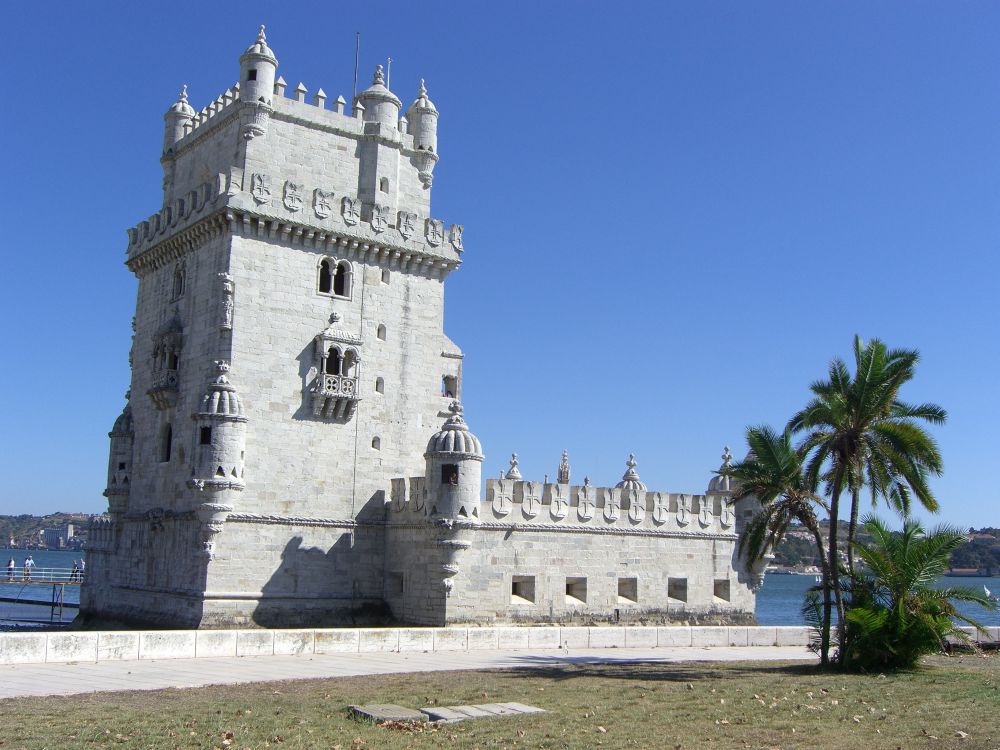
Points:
[(212, 517)]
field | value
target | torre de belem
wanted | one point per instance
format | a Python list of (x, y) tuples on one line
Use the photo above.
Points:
[(294, 451)]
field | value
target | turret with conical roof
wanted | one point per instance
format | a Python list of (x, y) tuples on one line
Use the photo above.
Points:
[(176, 120), (454, 459), (221, 432), (380, 105)]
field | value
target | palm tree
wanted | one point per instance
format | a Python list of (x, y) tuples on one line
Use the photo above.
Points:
[(896, 613), (860, 433), (772, 473)]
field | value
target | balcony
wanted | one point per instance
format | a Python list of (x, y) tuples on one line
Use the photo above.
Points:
[(163, 391), (334, 397)]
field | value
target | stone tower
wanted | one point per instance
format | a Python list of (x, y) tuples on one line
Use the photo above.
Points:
[(289, 357)]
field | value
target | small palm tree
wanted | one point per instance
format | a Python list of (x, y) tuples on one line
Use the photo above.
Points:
[(772, 473), (859, 433), (896, 613)]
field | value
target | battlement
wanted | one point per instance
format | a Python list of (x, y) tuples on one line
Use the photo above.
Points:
[(520, 503), (366, 231)]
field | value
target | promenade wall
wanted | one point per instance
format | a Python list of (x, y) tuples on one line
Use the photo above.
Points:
[(124, 645)]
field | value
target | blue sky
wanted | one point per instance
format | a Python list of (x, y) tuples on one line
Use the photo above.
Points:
[(676, 214)]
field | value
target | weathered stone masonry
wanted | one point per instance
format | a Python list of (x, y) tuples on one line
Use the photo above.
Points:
[(289, 366)]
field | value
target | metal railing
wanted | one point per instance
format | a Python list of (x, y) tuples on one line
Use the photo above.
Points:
[(20, 574)]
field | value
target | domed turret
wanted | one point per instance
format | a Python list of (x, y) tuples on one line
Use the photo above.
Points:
[(722, 483), (422, 117), (454, 459), (380, 104), (221, 433), (630, 479), (257, 68), (176, 119)]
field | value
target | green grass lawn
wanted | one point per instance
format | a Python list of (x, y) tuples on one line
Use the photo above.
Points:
[(950, 703)]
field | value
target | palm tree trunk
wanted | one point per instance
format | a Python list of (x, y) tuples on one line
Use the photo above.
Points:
[(852, 528), (834, 564), (824, 568)]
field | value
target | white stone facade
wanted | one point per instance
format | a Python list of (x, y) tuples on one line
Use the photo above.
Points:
[(289, 365)]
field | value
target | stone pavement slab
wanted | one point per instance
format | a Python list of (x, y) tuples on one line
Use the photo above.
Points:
[(22, 680), (386, 712)]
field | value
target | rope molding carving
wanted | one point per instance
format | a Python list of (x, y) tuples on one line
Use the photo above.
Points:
[(337, 523), (569, 529)]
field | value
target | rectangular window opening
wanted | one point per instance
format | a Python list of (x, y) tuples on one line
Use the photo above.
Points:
[(252, 74), (205, 436), (628, 590), (576, 590), (721, 589), (522, 590), (449, 473), (449, 386), (677, 588), (394, 584)]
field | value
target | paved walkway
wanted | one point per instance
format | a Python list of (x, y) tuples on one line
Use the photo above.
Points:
[(21, 680)]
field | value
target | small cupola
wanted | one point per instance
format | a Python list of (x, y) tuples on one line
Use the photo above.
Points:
[(176, 119), (630, 479), (220, 426), (722, 482), (380, 105), (454, 439)]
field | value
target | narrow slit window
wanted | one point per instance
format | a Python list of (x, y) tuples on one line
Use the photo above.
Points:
[(166, 442), (383, 185), (379, 385), (385, 275), (377, 443), (380, 331)]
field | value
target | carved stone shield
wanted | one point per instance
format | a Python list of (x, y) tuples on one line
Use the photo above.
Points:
[(683, 510), (351, 209), (380, 218), (559, 505), (455, 236), (612, 506), (726, 515), (532, 502), (661, 507), (399, 493), (293, 195), (260, 188), (503, 497), (406, 224), (434, 231), (585, 503), (322, 203), (636, 506), (704, 511)]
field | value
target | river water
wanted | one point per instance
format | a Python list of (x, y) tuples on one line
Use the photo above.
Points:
[(779, 601)]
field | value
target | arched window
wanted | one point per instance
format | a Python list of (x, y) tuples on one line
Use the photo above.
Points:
[(383, 185), (166, 441), (178, 285), (325, 276), (449, 386), (348, 364), (377, 443), (333, 361), (379, 385), (342, 279), (380, 331)]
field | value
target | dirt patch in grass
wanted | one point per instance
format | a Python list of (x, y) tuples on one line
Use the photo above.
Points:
[(950, 703)]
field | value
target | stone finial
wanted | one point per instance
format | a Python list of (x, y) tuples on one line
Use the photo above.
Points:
[(454, 407), (586, 481), (422, 91), (319, 98), (221, 365), (300, 92), (562, 477), (513, 472), (183, 97), (727, 457), (338, 105), (379, 79), (261, 36), (279, 86)]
